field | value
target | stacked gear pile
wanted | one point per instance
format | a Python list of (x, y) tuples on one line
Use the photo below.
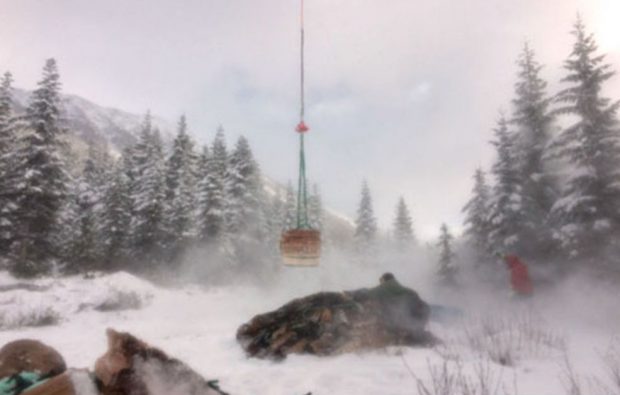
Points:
[(331, 323)]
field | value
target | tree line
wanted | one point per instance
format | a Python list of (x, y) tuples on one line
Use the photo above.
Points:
[(141, 210), (555, 192)]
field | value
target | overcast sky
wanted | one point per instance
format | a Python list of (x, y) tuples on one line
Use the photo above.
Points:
[(403, 93)]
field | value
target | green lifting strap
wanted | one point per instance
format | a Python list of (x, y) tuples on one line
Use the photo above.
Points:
[(302, 194)]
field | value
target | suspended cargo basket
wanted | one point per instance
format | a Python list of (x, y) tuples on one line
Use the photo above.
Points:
[(301, 247)]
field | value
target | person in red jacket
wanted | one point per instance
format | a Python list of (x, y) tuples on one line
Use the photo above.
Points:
[(519, 276)]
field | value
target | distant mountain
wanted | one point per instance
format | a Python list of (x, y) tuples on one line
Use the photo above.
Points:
[(92, 123)]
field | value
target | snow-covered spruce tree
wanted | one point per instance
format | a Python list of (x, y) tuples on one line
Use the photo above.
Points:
[(506, 219), (245, 205), (476, 212), (274, 216), (211, 198), (447, 270), (148, 194), (8, 177), (533, 122), (403, 227), (315, 208), (41, 191), (587, 214), (365, 223), (290, 208), (82, 250), (115, 217), (180, 193)]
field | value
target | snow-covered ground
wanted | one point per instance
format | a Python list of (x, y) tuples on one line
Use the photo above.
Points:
[(533, 339)]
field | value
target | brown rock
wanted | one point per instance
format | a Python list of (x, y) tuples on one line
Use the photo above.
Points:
[(30, 356)]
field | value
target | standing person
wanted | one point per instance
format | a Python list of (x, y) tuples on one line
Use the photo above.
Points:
[(519, 275)]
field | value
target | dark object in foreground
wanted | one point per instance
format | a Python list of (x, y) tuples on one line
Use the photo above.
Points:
[(132, 367), (330, 323)]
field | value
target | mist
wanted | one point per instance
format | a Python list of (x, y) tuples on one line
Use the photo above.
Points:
[(444, 218)]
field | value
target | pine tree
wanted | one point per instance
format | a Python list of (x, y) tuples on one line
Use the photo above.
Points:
[(476, 211), (83, 250), (44, 182), (115, 216), (245, 198), (274, 215), (181, 159), (290, 208), (8, 177), (245, 206), (180, 192), (315, 208), (148, 194), (447, 269), (211, 203), (365, 223), (533, 121), (403, 226), (586, 214), (506, 221), (211, 191)]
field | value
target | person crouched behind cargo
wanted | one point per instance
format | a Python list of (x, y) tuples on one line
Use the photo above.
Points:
[(404, 312)]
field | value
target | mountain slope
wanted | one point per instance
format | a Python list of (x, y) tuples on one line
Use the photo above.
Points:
[(92, 123)]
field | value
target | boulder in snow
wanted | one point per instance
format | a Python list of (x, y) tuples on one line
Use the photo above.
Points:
[(30, 356)]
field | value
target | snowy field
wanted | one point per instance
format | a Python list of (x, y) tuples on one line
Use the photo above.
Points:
[(510, 347)]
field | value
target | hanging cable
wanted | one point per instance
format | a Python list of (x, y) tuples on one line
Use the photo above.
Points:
[(302, 194)]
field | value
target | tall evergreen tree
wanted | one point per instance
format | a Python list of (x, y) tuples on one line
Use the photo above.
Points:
[(290, 208), (115, 216), (44, 181), (274, 215), (315, 208), (533, 121), (148, 194), (181, 159), (211, 204), (403, 226), (245, 203), (506, 222), (243, 190), (82, 252), (180, 192), (365, 223), (447, 269), (8, 177), (587, 213), (476, 211)]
